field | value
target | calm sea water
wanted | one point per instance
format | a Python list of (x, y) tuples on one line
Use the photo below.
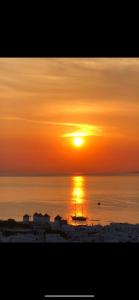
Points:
[(118, 195)]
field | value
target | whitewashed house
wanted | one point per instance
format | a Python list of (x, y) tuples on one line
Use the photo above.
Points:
[(46, 219), (37, 219), (26, 219), (54, 238), (40, 219), (57, 222)]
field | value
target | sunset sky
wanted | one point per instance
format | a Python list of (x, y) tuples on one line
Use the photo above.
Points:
[(46, 102)]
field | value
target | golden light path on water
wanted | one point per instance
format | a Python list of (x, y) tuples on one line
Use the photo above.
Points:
[(78, 197), (54, 195)]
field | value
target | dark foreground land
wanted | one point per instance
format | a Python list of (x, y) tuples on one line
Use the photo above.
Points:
[(12, 231)]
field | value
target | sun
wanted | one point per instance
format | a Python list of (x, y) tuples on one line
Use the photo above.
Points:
[(78, 141)]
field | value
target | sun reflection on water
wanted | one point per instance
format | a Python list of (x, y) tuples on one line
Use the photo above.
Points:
[(78, 197), (78, 190)]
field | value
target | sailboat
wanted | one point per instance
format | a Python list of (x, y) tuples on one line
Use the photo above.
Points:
[(79, 217)]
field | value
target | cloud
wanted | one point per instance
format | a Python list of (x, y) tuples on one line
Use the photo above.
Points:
[(85, 130), (70, 78), (82, 129)]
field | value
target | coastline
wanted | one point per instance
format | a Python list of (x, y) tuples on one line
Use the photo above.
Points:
[(56, 232)]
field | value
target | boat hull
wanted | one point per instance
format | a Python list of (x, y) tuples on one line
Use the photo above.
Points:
[(75, 218)]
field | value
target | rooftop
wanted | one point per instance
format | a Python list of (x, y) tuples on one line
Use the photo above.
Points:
[(46, 215), (58, 217)]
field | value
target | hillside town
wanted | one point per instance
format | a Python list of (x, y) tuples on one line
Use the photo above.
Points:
[(42, 230)]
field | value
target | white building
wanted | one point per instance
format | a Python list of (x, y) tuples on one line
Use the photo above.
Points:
[(26, 219), (57, 222), (40, 219), (37, 218), (46, 219), (67, 228), (54, 238)]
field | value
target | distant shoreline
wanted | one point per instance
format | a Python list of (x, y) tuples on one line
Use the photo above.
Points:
[(68, 175)]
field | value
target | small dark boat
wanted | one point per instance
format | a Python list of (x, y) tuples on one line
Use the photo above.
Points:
[(79, 218)]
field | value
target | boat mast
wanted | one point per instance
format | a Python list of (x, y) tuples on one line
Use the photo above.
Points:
[(75, 205), (82, 210)]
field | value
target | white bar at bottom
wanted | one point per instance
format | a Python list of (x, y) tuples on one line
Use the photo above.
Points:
[(69, 296)]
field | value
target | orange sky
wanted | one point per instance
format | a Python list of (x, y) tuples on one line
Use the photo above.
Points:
[(44, 101)]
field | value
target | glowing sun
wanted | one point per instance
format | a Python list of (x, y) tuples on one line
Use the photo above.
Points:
[(78, 141)]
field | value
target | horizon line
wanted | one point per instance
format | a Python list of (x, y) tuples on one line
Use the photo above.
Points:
[(69, 174)]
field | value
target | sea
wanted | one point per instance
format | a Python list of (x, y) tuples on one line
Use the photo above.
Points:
[(102, 199)]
